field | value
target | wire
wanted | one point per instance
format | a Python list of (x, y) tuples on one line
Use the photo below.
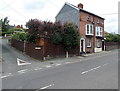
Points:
[(109, 14), (13, 18), (15, 10)]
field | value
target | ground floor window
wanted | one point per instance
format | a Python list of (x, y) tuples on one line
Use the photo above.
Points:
[(89, 42), (98, 43)]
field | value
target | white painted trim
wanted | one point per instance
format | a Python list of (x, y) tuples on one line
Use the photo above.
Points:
[(83, 44), (72, 6), (89, 29), (24, 62), (46, 87), (98, 49)]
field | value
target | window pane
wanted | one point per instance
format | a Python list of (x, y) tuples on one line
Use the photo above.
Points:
[(97, 30), (89, 43), (91, 29), (100, 30), (87, 29), (88, 18), (98, 43)]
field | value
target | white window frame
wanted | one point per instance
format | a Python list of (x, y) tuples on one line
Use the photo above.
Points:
[(89, 42), (98, 31), (89, 27)]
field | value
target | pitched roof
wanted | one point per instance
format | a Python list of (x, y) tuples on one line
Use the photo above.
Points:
[(80, 9)]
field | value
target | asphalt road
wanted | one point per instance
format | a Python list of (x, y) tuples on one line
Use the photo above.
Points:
[(95, 72), (9, 58)]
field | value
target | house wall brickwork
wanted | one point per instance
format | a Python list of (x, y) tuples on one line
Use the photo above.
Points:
[(82, 29)]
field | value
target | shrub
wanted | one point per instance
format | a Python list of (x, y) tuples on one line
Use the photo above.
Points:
[(70, 36), (113, 37), (10, 31), (31, 39), (19, 36)]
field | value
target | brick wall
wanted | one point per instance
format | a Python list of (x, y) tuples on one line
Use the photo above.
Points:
[(48, 50), (112, 45), (18, 44), (82, 29), (30, 49)]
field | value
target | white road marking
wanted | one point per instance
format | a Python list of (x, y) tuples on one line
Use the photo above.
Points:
[(58, 64), (47, 86), (105, 64), (48, 66), (38, 69), (9, 74), (22, 62), (90, 70), (67, 62), (22, 71)]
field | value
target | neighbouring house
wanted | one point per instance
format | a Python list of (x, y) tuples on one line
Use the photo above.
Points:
[(91, 27), (18, 27)]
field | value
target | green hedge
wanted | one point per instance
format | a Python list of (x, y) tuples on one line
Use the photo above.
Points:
[(19, 36)]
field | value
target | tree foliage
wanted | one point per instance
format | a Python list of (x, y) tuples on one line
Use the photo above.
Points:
[(58, 34), (56, 37), (19, 36), (70, 36), (10, 31), (5, 24), (113, 37), (37, 29)]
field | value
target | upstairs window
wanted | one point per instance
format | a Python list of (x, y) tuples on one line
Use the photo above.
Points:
[(98, 21), (89, 29), (88, 18), (98, 31)]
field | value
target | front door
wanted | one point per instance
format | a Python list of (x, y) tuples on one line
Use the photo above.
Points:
[(82, 45), (103, 45)]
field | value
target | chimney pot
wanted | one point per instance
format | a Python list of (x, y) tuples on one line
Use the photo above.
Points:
[(80, 5)]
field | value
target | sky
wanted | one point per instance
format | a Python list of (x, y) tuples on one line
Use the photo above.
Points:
[(21, 11)]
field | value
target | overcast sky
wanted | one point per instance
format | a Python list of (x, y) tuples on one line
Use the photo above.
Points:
[(20, 11)]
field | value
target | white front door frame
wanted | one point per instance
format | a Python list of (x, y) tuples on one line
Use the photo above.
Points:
[(82, 39)]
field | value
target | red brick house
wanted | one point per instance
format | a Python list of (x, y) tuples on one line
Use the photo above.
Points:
[(91, 27)]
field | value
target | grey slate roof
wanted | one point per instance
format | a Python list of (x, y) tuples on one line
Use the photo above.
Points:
[(80, 9)]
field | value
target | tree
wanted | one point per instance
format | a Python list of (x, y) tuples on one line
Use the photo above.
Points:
[(37, 29), (56, 37), (19, 36), (112, 37), (10, 31), (5, 24), (34, 27), (70, 37)]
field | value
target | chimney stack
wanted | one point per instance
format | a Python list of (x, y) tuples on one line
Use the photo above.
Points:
[(80, 5)]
